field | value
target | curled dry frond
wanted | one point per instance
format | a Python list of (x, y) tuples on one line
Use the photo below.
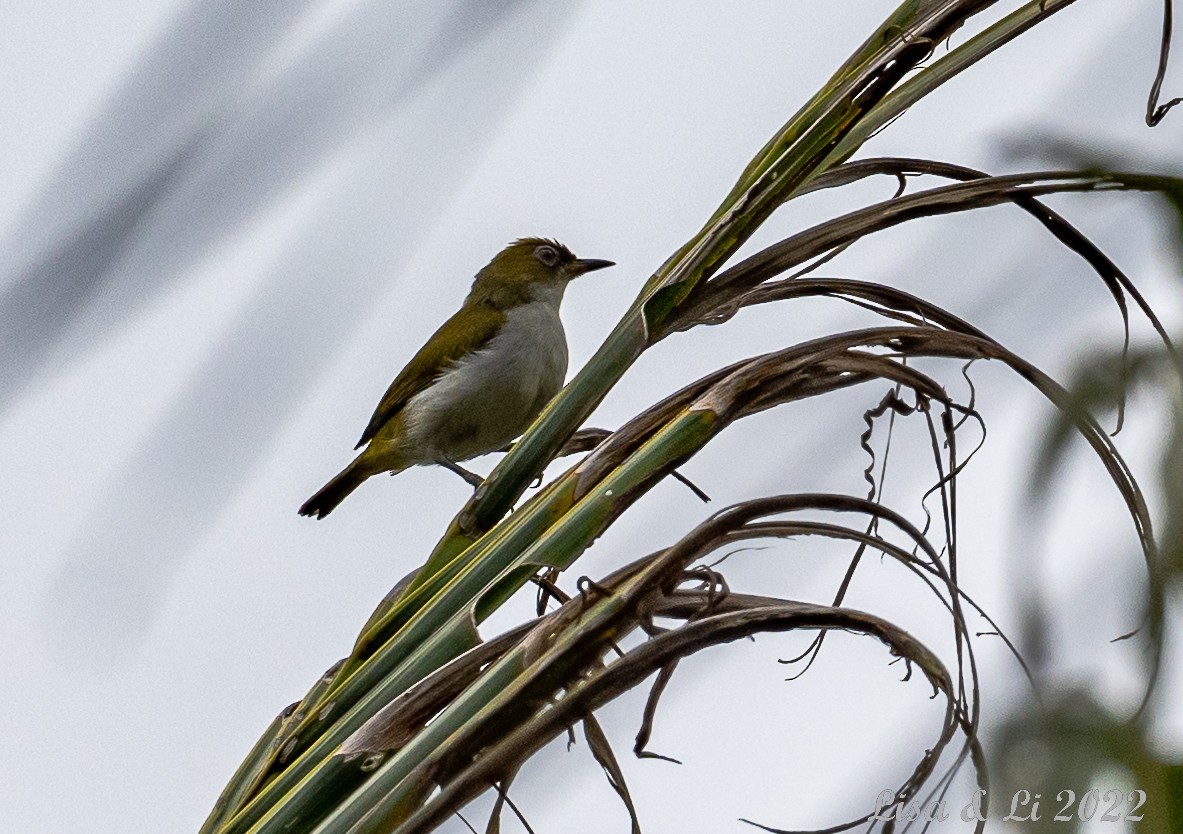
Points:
[(542, 705), (725, 292)]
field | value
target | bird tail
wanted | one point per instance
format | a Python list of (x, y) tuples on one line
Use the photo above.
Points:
[(335, 491)]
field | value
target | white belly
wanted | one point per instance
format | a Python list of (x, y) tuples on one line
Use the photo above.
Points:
[(485, 401)]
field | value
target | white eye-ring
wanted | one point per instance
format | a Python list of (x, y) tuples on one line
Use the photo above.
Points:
[(547, 255)]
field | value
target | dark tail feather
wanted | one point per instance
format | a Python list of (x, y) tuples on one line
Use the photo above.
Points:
[(333, 493)]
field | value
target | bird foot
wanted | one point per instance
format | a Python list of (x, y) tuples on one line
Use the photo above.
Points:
[(474, 480)]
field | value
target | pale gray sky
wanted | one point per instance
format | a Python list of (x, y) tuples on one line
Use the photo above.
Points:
[(225, 226)]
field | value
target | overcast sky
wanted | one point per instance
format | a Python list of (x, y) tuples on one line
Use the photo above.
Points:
[(225, 226)]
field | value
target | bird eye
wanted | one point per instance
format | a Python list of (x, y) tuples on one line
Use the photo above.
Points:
[(547, 255)]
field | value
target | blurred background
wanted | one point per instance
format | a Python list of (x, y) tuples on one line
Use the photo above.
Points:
[(224, 227)]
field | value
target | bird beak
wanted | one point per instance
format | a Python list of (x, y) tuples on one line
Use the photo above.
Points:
[(584, 265)]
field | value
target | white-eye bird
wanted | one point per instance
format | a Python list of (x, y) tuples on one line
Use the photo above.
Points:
[(480, 380)]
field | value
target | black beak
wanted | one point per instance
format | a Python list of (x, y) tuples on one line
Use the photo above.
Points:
[(584, 265)]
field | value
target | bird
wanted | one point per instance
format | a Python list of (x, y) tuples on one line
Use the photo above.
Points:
[(482, 377)]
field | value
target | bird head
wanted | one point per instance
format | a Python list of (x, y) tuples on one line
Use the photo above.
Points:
[(530, 268)]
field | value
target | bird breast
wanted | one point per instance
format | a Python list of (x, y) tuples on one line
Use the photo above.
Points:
[(484, 401)]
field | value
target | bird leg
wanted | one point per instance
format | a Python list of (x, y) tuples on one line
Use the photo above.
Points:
[(474, 480)]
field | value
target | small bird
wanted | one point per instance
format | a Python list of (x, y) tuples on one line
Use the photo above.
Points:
[(480, 380)]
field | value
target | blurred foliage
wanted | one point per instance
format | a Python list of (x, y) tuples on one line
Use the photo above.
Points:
[(1068, 738), (1053, 753)]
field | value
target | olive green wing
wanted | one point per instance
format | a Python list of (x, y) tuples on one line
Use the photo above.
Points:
[(471, 328)]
